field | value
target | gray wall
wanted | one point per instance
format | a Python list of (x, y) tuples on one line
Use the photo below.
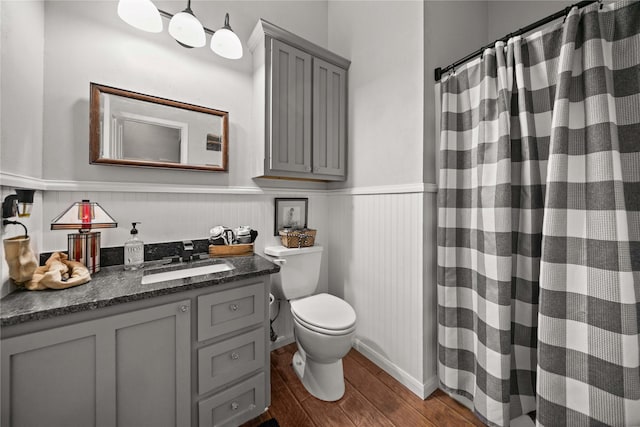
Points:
[(21, 80), (504, 17), (452, 30), (384, 41), (88, 42)]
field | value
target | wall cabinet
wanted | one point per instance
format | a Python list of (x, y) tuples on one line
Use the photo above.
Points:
[(196, 358), (300, 107)]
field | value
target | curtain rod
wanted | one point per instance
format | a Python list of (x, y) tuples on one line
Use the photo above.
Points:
[(438, 72)]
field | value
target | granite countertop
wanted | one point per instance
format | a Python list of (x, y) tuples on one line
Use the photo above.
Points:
[(113, 285)]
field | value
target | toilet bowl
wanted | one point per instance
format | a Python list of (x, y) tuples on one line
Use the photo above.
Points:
[(324, 325)]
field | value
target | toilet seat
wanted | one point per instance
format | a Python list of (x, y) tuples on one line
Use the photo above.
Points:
[(325, 314)]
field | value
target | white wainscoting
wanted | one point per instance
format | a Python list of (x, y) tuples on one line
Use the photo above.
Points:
[(380, 252), (376, 258), (174, 216)]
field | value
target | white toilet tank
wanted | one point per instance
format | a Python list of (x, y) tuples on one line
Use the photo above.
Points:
[(299, 271)]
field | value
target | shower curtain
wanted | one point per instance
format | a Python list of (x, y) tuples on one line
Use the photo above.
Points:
[(539, 224)]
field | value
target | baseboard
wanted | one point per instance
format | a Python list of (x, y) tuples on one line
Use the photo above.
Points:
[(281, 341), (422, 390)]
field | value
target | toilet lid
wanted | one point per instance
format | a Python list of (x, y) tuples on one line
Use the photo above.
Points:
[(324, 311)]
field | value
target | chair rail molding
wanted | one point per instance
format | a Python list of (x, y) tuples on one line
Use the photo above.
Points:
[(15, 180)]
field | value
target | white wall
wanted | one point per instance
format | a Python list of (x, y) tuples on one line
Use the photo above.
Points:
[(21, 80), (375, 258), (384, 41)]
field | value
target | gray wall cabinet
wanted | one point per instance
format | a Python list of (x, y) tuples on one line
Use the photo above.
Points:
[(195, 358), (329, 119), (301, 121)]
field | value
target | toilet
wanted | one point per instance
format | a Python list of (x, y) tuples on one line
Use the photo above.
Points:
[(323, 325)]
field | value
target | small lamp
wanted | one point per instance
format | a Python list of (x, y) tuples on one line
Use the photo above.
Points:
[(84, 246)]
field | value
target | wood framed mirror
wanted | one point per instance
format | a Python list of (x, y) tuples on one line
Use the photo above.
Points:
[(132, 129)]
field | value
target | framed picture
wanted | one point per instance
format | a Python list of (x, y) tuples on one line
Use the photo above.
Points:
[(290, 213)]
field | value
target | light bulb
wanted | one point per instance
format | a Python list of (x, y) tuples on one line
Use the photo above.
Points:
[(226, 43), (186, 29), (141, 14)]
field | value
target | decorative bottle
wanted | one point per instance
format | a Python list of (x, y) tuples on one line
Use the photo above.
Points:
[(133, 250)]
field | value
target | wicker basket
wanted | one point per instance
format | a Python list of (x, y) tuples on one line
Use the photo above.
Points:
[(298, 238)]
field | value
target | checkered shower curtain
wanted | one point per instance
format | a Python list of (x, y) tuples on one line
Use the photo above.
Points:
[(539, 224)]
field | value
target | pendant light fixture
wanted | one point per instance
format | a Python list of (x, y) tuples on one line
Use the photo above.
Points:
[(183, 26), (186, 29), (141, 14), (225, 42)]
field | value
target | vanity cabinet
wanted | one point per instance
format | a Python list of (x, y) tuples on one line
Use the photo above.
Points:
[(233, 364), (300, 107), (192, 358), (130, 369)]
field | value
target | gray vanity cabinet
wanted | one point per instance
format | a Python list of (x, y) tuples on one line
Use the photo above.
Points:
[(301, 120), (130, 369), (195, 358)]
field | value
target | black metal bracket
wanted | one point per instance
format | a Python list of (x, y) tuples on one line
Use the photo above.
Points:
[(437, 73), (7, 222), (10, 206)]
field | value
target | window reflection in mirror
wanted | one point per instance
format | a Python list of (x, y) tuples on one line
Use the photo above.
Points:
[(129, 128)]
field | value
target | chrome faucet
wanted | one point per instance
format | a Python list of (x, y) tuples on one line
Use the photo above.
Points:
[(187, 250)]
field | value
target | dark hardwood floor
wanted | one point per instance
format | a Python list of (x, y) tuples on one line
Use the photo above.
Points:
[(372, 398)]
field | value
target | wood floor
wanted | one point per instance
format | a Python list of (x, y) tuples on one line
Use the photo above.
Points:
[(372, 398)]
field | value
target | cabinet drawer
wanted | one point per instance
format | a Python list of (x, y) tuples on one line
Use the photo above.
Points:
[(235, 405), (228, 360), (227, 311)]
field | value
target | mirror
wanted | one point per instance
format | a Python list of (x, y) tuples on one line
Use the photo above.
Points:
[(129, 128)]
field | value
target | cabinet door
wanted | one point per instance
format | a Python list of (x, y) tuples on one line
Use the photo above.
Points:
[(290, 148), (152, 366), (329, 118), (132, 369), (49, 379)]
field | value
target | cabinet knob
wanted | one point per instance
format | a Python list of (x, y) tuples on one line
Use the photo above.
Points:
[(184, 308), (235, 406), (308, 168), (233, 307), (235, 356)]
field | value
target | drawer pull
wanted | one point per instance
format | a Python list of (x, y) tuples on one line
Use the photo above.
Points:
[(233, 307), (235, 406), (235, 356), (184, 308)]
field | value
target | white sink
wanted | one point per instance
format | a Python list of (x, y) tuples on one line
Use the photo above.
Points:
[(185, 272)]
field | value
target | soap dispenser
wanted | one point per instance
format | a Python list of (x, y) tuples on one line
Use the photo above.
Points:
[(133, 250)]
